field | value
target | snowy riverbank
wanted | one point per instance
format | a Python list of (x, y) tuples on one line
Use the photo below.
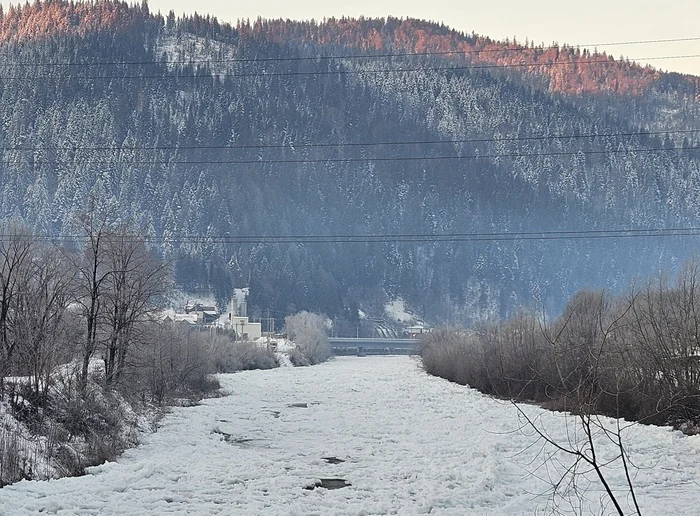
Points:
[(409, 444)]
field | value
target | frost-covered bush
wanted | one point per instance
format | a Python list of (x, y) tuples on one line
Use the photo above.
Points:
[(86, 414), (308, 332), (297, 358)]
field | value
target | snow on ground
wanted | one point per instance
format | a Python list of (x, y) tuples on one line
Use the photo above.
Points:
[(183, 49), (177, 316), (411, 444), (32, 448), (396, 310), (280, 344)]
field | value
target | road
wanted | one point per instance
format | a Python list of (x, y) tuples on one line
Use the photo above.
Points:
[(405, 442)]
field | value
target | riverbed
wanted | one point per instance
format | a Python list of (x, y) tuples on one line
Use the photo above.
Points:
[(366, 436)]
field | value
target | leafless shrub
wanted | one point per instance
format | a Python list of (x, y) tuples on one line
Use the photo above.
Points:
[(665, 330), (453, 354), (506, 360), (635, 356), (230, 356), (95, 423), (172, 361), (69, 461), (13, 457)]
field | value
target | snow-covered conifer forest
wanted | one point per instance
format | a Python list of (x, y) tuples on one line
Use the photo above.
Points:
[(225, 144)]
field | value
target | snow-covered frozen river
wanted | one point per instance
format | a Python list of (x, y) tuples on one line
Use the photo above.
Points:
[(410, 444)]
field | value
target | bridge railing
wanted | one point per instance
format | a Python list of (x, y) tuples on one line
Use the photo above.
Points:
[(363, 346)]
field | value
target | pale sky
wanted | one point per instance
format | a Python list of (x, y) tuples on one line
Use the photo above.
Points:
[(564, 21)]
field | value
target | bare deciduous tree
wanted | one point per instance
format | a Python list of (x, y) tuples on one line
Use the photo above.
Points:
[(42, 327), (92, 272), (16, 247), (136, 279)]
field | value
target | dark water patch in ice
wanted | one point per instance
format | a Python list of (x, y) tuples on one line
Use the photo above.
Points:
[(329, 483), (241, 441)]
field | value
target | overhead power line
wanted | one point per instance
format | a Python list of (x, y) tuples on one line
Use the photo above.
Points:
[(382, 55), (295, 145), (450, 237), (238, 75), (388, 237), (267, 161), (637, 42)]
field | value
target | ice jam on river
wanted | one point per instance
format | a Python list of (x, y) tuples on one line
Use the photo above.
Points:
[(362, 436)]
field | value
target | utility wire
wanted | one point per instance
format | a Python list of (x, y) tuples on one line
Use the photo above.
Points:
[(352, 144), (266, 161), (383, 238), (451, 237), (211, 74), (456, 53)]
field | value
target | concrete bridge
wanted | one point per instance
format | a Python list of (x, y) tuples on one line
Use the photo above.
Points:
[(367, 346)]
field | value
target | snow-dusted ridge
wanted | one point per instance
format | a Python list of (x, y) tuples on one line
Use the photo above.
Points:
[(410, 444), (187, 49)]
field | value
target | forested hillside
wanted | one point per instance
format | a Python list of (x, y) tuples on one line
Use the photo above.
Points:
[(230, 146)]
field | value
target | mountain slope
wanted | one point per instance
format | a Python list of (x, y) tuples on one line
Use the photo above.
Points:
[(198, 130)]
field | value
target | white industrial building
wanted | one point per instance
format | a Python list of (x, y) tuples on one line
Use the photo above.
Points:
[(236, 318)]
